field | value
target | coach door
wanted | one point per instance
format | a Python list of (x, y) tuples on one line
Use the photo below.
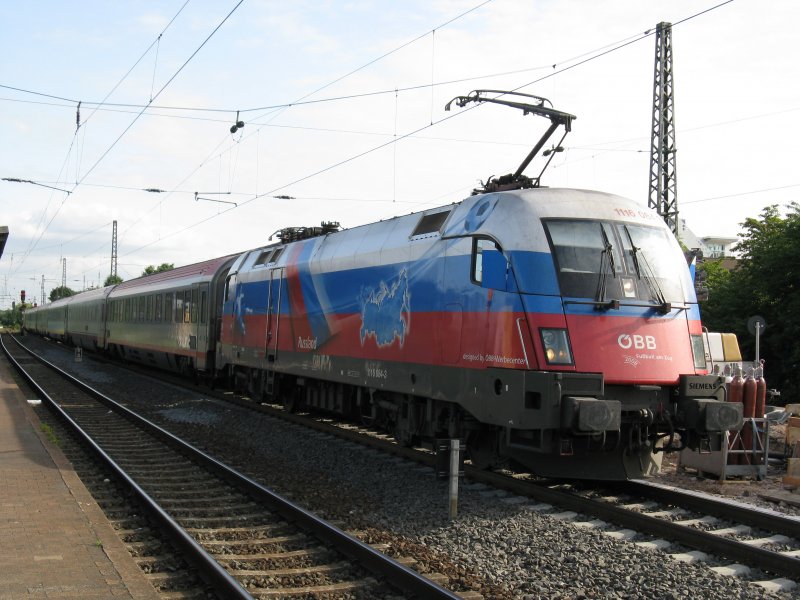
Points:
[(200, 324), (274, 299)]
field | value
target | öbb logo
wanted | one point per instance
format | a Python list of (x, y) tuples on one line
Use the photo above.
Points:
[(639, 342)]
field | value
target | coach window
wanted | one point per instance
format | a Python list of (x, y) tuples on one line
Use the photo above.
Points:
[(178, 307), (168, 307), (194, 306), (203, 306), (187, 305), (159, 300), (142, 308), (149, 316)]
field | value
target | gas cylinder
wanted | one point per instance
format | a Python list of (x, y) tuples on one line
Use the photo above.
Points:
[(735, 394), (749, 396), (761, 394), (736, 387), (749, 400)]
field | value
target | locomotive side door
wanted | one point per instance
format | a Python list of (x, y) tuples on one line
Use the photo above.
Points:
[(274, 299)]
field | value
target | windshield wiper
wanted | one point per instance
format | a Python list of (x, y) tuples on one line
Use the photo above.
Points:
[(606, 262), (649, 277)]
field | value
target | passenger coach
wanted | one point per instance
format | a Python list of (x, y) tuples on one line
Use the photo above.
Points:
[(168, 319)]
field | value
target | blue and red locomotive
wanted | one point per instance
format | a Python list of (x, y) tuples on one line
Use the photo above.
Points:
[(558, 328), (570, 344)]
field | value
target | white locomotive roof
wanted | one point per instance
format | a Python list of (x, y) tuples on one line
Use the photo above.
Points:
[(513, 218)]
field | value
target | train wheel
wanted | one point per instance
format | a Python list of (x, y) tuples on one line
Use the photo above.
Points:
[(254, 385), (292, 399), (482, 449), (403, 435)]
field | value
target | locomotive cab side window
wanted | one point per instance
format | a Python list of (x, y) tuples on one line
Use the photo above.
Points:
[(489, 266)]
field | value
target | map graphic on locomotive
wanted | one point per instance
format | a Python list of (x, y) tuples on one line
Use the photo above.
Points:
[(386, 312), (557, 329)]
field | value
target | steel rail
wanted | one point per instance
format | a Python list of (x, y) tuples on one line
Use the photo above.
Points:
[(209, 569), (767, 560), (396, 573), (720, 507)]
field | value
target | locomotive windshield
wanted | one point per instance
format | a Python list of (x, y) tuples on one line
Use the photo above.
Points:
[(615, 261)]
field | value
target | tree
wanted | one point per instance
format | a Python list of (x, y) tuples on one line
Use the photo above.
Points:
[(151, 270), (12, 318), (112, 280), (61, 291), (766, 282)]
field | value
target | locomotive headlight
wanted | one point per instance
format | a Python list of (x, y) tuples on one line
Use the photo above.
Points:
[(556, 346), (699, 352)]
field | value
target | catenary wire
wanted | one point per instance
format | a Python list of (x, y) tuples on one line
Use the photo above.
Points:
[(362, 154)]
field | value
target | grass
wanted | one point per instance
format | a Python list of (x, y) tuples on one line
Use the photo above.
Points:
[(51, 435)]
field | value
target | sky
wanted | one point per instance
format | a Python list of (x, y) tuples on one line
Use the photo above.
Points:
[(343, 110)]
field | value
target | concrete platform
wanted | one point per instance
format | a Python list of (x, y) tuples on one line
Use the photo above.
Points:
[(55, 542)]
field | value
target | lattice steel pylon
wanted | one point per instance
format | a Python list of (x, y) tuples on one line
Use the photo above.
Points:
[(114, 250), (663, 177), (63, 272)]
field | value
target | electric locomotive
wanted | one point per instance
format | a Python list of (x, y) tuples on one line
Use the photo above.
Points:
[(571, 344), (557, 328)]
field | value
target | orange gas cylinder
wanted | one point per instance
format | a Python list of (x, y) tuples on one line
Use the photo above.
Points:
[(749, 396), (735, 394), (761, 396), (749, 399), (736, 388)]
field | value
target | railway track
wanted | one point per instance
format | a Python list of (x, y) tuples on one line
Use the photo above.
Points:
[(242, 539), (734, 539)]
